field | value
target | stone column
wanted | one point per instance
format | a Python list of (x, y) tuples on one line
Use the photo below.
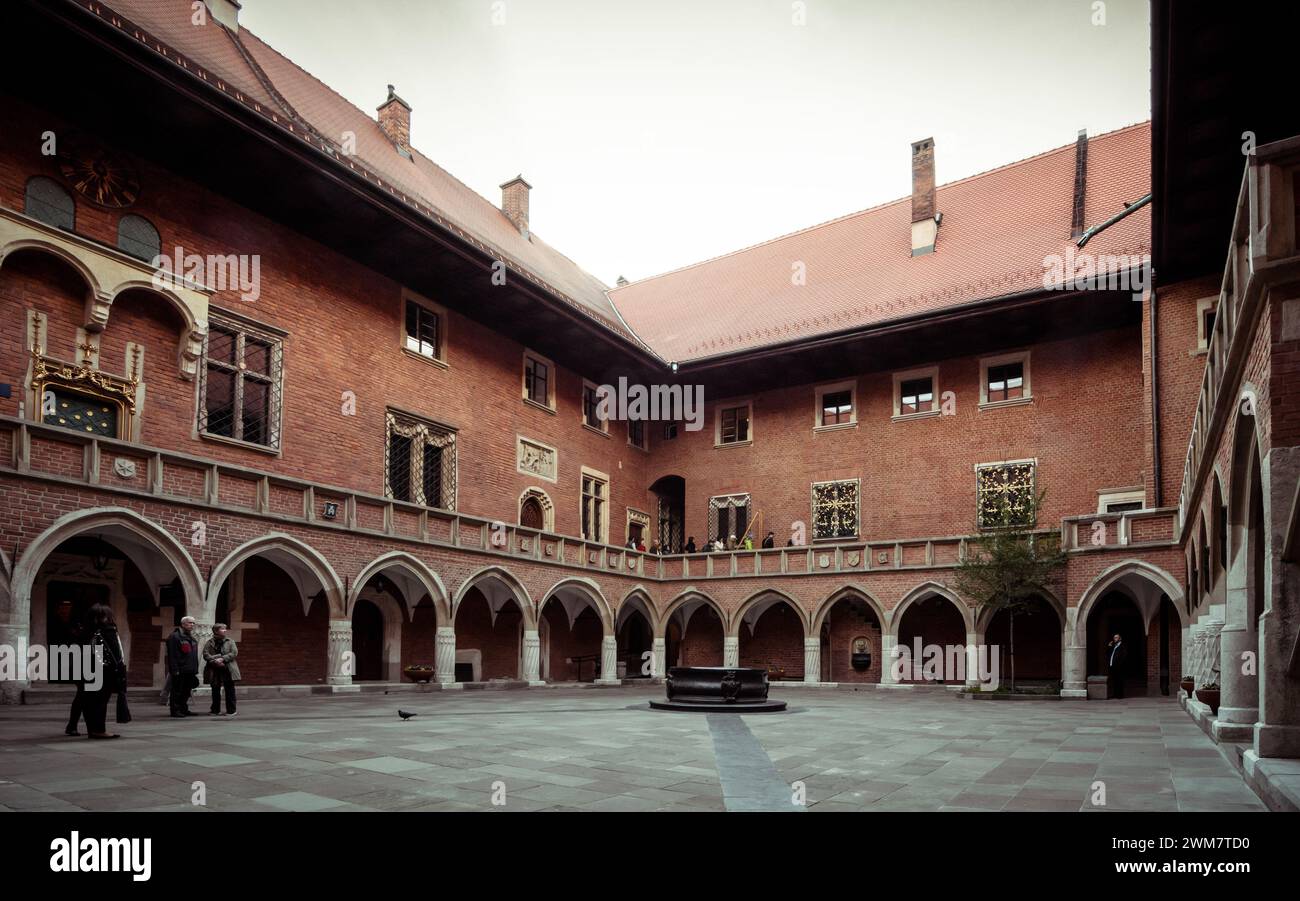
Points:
[(1277, 731), (202, 634), (1074, 657), (14, 636), (342, 665), (973, 642), (731, 651), (1239, 701), (887, 659), (659, 658), (444, 660), (812, 659), (532, 658), (609, 661)]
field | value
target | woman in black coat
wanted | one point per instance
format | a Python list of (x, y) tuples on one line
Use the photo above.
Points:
[(101, 628)]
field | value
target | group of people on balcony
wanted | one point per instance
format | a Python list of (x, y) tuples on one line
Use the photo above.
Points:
[(716, 546)]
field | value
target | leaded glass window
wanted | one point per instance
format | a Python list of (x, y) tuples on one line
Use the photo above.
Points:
[(239, 396), (1006, 493), (835, 509)]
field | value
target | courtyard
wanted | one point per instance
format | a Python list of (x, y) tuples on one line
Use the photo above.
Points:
[(603, 750)]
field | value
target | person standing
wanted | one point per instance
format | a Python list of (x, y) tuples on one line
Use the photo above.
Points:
[(101, 628), (769, 541), (182, 666), (1117, 656), (73, 636), (690, 545), (220, 669)]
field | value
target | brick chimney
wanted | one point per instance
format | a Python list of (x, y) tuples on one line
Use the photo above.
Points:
[(925, 221), (226, 12), (395, 122), (1080, 183), (514, 202)]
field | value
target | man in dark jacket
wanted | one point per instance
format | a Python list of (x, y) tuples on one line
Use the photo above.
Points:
[(183, 666), (1116, 657)]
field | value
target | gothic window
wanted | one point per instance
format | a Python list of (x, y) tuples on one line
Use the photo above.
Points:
[(835, 509), (420, 462), (239, 393), (595, 502), (137, 236), (1005, 492), (47, 202), (728, 515)]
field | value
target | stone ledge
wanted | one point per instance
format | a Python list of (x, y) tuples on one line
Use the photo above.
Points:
[(1275, 779)]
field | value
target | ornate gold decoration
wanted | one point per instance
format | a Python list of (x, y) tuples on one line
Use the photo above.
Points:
[(98, 175), (835, 509), (80, 377), (1011, 484)]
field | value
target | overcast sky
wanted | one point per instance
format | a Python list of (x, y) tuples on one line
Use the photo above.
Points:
[(657, 133)]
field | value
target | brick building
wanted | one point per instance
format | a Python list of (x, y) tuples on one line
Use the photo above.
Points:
[(358, 418)]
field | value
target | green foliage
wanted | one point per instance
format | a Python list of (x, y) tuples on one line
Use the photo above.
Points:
[(1010, 565)]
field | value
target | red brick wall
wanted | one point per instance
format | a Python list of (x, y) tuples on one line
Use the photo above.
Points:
[(935, 621), (286, 648), (420, 637), (850, 619), (702, 645), (1037, 647), (776, 642), (498, 644), (581, 640)]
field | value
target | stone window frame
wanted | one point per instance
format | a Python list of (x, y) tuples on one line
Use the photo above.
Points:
[(641, 518), (602, 478), (439, 359), (603, 428), (550, 405), (851, 386), (721, 408), (1026, 388), (230, 321), (857, 514), (429, 431), (1108, 496), (1203, 306), (907, 375), (730, 501), (544, 501), (1032, 462)]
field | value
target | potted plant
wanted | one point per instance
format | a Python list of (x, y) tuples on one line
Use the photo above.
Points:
[(1208, 694), (775, 673), (1187, 685), (419, 672)]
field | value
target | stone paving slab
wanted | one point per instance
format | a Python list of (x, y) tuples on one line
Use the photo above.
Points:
[(568, 749)]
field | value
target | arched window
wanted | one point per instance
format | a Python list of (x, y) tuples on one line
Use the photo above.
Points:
[(48, 202), (137, 236)]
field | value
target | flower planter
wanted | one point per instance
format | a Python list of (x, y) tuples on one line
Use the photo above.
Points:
[(1187, 685), (1209, 697), (419, 673)]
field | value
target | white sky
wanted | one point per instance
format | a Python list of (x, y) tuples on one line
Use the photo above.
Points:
[(657, 133)]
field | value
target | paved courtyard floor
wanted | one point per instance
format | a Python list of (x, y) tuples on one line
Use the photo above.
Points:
[(584, 749)]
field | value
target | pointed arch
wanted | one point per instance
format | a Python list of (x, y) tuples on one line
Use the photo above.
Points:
[(763, 601), (493, 575), (586, 589), (984, 615), (543, 501), (121, 520), (1116, 574), (843, 593), (923, 591), (688, 596), (297, 558), (416, 572), (638, 593)]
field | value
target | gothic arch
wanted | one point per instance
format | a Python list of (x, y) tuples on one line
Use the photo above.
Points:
[(543, 499), (587, 589), (984, 615), (1114, 575), (647, 607), (490, 575), (297, 558), (683, 598), (923, 591), (839, 594), (767, 598), (416, 572)]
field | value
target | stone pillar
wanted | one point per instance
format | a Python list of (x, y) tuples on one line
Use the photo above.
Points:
[(202, 634), (887, 658), (812, 660), (444, 660), (15, 637), (532, 658), (973, 642), (609, 661), (731, 651), (342, 665), (1277, 731), (1239, 701), (1074, 667), (659, 658)]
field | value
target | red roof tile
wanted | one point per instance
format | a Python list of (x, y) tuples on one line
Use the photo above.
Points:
[(997, 229)]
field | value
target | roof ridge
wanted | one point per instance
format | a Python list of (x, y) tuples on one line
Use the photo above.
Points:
[(870, 209)]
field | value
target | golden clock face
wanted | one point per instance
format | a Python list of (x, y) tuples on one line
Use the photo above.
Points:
[(97, 175)]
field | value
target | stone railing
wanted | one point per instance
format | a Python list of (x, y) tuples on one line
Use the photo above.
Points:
[(1263, 248), (1135, 528), (62, 456)]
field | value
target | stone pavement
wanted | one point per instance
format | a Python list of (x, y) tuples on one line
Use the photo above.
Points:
[(563, 749)]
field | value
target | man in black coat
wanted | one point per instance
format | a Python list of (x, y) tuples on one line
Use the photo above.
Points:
[(1116, 658), (183, 665)]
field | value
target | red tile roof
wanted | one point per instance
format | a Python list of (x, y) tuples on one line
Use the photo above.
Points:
[(997, 229)]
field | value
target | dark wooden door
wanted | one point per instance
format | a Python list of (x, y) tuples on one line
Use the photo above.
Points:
[(368, 642)]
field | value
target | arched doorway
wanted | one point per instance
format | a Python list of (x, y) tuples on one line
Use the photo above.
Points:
[(670, 494), (634, 634), (1028, 642), (1116, 613), (530, 514), (491, 626), (850, 631), (368, 642), (573, 634), (771, 635), (932, 620), (693, 632)]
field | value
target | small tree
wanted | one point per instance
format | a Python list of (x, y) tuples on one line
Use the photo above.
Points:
[(1010, 566)]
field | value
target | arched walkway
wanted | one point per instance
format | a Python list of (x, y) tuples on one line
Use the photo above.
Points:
[(693, 630), (576, 621), (770, 629), (1140, 603), (634, 632), (496, 630), (931, 615)]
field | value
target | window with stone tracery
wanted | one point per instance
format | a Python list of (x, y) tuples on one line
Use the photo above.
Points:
[(420, 462), (835, 509)]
